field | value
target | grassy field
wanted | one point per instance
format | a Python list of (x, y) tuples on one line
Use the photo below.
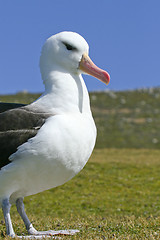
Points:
[(127, 119), (116, 196)]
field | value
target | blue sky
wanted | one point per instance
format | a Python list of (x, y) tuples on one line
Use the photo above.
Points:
[(123, 35)]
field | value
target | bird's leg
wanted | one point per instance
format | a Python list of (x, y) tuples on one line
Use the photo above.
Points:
[(20, 208), (6, 212), (31, 230)]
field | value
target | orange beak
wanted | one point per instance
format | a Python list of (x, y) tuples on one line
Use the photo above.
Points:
[(87, 66)]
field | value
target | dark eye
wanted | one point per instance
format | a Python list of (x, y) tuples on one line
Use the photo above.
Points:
[(69, 47)]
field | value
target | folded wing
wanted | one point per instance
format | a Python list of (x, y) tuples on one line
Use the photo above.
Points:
[(17, 125)]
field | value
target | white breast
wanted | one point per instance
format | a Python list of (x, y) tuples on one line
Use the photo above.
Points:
[(56, 154)]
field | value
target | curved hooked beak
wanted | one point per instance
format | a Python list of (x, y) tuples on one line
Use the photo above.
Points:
[(87, 66)]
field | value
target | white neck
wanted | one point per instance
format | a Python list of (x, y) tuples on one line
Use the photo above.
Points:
[(65, 93)]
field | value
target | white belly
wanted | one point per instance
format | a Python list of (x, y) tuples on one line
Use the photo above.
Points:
[(56, 154)]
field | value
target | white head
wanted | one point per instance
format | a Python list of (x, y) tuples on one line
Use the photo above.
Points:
[(68, 52)]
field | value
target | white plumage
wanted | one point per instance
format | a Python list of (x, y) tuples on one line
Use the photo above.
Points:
[(64, 142)]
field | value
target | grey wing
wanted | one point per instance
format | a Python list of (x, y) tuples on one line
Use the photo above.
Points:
[(16, 127), (6, 106), (9, 142)]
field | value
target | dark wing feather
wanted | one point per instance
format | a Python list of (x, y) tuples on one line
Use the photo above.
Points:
[(6, 106), (9, 142), (16, 127)]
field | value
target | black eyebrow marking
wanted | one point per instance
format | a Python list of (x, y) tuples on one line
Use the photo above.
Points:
[(69, 46)]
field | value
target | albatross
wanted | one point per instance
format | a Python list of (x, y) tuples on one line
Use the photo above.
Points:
[(46, 143)]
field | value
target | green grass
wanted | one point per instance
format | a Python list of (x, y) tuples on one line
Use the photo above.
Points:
[(127, 119), (116, 196)]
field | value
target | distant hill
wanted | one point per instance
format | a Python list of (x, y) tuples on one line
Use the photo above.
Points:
[(128, 119)]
